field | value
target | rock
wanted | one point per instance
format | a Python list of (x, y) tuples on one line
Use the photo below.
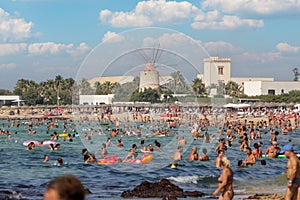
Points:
[(163, 189)]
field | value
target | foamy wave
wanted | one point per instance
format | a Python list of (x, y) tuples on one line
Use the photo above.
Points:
[(185, 179)]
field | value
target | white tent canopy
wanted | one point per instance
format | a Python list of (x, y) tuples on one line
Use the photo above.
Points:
[(232, 105)]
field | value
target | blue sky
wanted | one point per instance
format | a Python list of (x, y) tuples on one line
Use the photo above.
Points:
[(40, 39)]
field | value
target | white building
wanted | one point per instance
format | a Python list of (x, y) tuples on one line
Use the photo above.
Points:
[(254, 88), (113, 79), (7, 98), (149, 77), (95, 99), (216, 70), (240, 80)]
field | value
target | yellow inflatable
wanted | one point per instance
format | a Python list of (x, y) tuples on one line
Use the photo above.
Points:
[(63, 134), (145, 159)]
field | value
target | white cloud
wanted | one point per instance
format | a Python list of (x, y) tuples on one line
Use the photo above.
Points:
[(264, 7), (285, 47), (10, 49), (54, 48), (226, 22), (221, 47), (47, 48), (146, 13), (8, 66), (12, 28), (156, 12), (112, 37), (174, 41), (82, 49)]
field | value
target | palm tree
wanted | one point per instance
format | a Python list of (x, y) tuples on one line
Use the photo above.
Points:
[(198, 87), (233, 89)]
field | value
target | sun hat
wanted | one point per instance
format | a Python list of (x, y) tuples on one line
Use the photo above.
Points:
[(285, 148)]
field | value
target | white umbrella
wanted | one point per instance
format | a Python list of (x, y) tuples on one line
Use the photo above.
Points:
[(242, 105), (230, 105)]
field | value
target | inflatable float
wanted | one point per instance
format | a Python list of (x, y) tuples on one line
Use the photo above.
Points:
[(63, 134), (280, 156), (48, 142), (145, 159), (26, 143), (110, 160)]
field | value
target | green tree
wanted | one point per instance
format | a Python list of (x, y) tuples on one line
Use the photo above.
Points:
[(5, 92), (105, 88), (198, 87), (233, 89), (178, 84), (148, 95)]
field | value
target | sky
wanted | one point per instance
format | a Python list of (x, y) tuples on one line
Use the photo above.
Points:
[(40, 39)]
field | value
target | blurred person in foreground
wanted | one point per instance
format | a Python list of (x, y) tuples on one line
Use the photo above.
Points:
[(292, 172), (66, 187)]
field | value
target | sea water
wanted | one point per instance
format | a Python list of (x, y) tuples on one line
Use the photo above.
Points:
[(24, 175)]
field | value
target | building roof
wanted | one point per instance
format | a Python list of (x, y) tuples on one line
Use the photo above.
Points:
[(149, 66), (112, 79)]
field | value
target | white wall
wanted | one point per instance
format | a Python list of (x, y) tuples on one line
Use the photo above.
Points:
[(95, 99), (280, 86), (253, 88), (211, 75), (241, 80)]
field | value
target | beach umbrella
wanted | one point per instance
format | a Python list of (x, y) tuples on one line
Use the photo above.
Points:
[(242, 105), (230, 105)]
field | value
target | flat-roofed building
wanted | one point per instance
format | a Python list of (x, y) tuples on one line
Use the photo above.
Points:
[(256, 88)]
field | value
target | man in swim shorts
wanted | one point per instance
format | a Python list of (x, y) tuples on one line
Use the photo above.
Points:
[(292, 172)]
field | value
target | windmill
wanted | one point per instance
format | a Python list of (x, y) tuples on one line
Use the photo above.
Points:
[(296, 74)]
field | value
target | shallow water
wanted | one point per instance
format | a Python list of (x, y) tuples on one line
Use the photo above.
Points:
[(24, 175)]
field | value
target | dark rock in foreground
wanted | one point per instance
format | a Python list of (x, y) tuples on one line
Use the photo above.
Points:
[(164, 189)]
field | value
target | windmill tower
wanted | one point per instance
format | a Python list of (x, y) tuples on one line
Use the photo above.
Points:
[(149, 77), (296, 74)]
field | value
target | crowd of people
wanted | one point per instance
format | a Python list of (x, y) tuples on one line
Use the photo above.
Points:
[(245, 133)]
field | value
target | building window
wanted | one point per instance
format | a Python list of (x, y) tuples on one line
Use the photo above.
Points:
[(221, 70), (271, 92)]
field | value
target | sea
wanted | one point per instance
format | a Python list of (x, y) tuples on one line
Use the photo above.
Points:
[(24, 175)]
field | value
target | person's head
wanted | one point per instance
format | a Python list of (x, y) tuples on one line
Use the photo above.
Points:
[(134, 146), (204, 150), (194, 149), (274, 143), (248, 150), (59, 161), (46, 158), (255, 146), (240, 163), (57, 146), (225, 162), (103, 146), (263, 162), (84, 151), (66, 187), (287, 150)]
